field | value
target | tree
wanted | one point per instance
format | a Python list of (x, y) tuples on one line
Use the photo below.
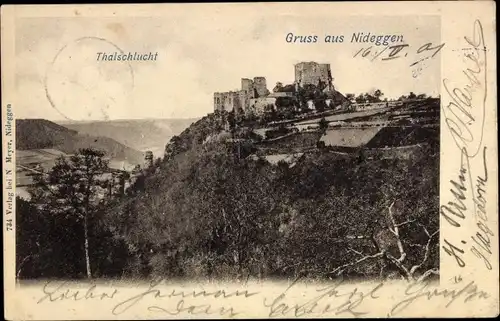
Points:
[(288, 88), (377, 94), (278, 87), (321, 84), (285, 107), (393, 248), (412, 95), (323, 125), (350, 97), (373, 97), (320, 104), (360, 99), (75, 189), (30, 239), (269, 113), (210, 212), (231, 120), (309, 92)]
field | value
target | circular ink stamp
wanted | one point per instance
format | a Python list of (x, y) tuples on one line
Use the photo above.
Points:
[(79, 87)]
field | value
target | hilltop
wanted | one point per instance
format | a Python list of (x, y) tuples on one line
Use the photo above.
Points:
[(217, 206), (233, 199)]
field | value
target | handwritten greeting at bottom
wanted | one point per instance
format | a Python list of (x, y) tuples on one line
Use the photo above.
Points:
[(162, 299)]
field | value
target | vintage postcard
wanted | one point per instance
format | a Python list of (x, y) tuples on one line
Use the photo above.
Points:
[(250, 160)]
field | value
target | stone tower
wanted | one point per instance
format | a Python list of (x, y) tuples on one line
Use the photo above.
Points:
[(260, 86), (312, 73), (247, 87), (148, 159)]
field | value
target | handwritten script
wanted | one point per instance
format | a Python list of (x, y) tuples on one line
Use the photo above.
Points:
[(335, 299), (465, 119), (330, 299), (52, 291), (422, 290), (421, 55), (154, 292), (465, 112)]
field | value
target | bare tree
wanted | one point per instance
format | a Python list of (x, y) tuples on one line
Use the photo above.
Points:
[(386, 240)]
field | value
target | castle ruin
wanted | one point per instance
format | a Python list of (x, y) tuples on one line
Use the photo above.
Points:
[(254, 97)]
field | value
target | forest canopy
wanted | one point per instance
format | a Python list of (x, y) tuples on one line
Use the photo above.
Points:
[(207, 211)]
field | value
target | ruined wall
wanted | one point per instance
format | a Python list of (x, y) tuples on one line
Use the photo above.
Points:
[(258, 105), (281, 94), (325, 73), (227, 101), (218, 101), (239, 101), (235, 98), (244, 100)]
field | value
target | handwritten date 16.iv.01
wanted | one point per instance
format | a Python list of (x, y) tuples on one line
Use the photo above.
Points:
[(424, 52)]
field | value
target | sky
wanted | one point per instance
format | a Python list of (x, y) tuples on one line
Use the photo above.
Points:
[(58, 76)]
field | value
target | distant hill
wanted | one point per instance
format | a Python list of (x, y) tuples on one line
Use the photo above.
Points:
[(140, 134), (40, 133), (43, 134)]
